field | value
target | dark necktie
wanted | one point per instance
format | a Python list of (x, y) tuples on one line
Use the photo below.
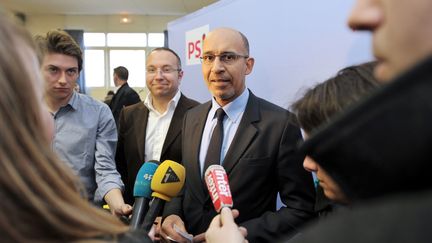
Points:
[(215, 146)]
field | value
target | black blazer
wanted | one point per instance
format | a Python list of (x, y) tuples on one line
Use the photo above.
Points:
[(131, 141), (125, 96), (260, 163)]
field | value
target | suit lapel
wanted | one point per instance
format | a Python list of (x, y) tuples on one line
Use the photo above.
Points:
[(140, 121), (245, 134), (175, 125), (194, 165)]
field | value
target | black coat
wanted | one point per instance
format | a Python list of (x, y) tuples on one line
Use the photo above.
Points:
[(131, 141), (125, 96), (383, 145), (259, 163)]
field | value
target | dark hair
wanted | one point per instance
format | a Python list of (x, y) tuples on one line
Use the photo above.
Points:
[(122, 73), (58, 41), (320, 103), (170, 50)]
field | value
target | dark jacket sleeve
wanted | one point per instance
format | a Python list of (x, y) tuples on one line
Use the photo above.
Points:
[(296, 190)]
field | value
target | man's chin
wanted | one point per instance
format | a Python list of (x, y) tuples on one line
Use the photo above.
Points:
[(382, 72)]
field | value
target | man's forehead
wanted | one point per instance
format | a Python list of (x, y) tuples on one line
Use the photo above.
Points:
[(161, 59), (60, 60), (219, 42)]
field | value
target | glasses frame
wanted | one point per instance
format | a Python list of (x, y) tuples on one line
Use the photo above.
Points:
[(237, 57), (157, 70)]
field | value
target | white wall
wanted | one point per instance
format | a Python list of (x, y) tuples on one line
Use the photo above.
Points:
[(295, 43)]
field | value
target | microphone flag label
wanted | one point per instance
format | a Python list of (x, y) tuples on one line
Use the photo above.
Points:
[(170, 176), (217, 184)]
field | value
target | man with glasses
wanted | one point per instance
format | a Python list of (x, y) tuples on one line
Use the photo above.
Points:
[(85, 132), (257, 152), (152, 130)]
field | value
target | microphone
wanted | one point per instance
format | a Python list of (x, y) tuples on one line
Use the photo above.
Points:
[(217, 184), (167, 182), (142, 192)]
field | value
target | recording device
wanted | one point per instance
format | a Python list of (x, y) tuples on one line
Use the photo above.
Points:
[(142, 192), (217, 184), (167, 182)]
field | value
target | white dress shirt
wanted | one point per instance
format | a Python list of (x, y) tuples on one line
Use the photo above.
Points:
[(157, 127), (234, 112)]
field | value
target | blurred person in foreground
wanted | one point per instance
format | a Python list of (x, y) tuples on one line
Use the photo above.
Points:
[(317, 107), (41, 198)]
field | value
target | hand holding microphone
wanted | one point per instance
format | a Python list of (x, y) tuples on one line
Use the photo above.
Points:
[(222, 228), (142, 192), (217, 184), (167, 182)]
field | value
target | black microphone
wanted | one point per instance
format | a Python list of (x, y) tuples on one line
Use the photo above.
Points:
[(167, 182), (142, 192)]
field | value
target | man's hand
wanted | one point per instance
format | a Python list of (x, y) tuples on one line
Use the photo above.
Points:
[(168, 233), (224, 229), (114, 199)]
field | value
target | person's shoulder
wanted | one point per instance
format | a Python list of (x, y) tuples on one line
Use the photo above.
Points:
[(89, 102), (266, 106), (188, 101), (130, 90), (135, 107), (200, 108)]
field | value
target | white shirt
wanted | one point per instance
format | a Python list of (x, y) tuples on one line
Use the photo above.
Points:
[(157, 127), (234, 112)]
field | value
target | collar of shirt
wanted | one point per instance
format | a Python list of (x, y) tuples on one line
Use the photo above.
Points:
[(172, 104), (234, 109), (73, 102), (116, 89)]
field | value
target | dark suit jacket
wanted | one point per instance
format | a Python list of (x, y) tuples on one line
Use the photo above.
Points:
[(260, 163), (131, 141), (125, 96)]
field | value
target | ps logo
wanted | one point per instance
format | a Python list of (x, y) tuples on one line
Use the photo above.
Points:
[(194, 40)]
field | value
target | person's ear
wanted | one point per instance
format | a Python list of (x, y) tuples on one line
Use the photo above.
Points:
[(249, 65)]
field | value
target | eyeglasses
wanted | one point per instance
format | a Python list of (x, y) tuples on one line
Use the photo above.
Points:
[(227, 58), (163, 70)]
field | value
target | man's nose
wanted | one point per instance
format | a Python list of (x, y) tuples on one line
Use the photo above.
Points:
[(365, 15)]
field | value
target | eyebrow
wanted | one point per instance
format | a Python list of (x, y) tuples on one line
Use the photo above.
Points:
[(166, 65), (222, 53), (69, 68)]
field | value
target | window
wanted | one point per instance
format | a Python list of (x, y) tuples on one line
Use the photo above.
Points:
[(105, 51), (94, 68), (156, 39), (134, 61), (127, 39)]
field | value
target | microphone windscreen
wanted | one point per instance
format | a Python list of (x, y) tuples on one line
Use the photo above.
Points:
[(217, 184), (143, 179), (168, 180)]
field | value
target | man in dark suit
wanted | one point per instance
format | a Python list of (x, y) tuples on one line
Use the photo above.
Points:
[(257, 152), (125, 95), (151, 130)]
